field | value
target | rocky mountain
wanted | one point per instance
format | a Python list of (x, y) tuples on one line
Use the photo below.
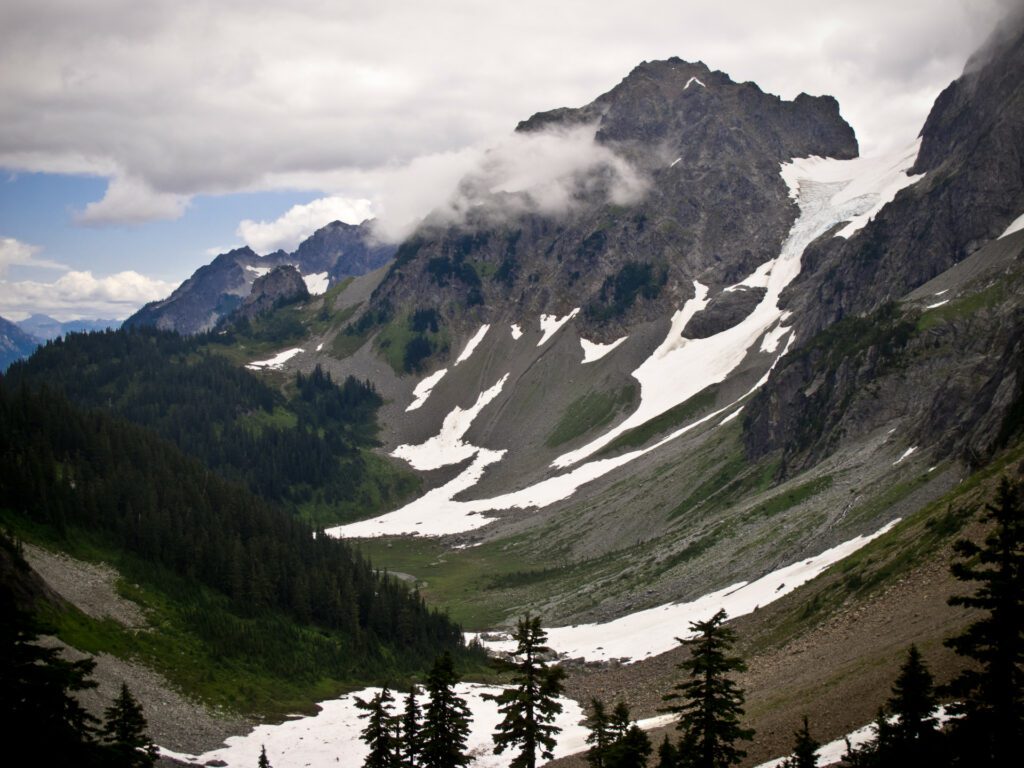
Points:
[(215, 290), (45, 327), (14, 343), (281, 285)]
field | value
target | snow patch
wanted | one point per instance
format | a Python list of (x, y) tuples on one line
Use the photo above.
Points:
[(472, 344), (693, 80), (756, 279), (939, 293), (771, 340), (906, 453), (654, 631), (731, 416), (276, 363), (316, 284), (549, 325), (517, 332), (319, 741), (1015, 226), (674, 162), (937, 304), (319, 346), (257, 271), (424, 388), (593, 351)]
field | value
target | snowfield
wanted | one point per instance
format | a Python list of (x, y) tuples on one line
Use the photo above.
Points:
[(1015, 226), (424, 388), (316, 284), (549, 325), (653, 631), (331, 737), (593, 351), (276, 363), (472, 344)]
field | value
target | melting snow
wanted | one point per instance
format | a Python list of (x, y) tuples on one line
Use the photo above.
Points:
[(517, 332), (944, 290), (756, 279), (316, 284), (593, 351), (937, 304), (771, 340), (257, 271), (1015, 226), (654, 631), (472, 344), (550, 324), (424, 388), (275, 363), (321, 740), (673, 163), (693, 80), (906, 453), (731, 416)]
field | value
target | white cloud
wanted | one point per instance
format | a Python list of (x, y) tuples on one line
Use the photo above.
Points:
[(16, 253), (132, 201), (174, 99), (300, 221), (76, 295)]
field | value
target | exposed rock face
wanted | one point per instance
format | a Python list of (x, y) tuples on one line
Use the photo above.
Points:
[(959, 381), (714, 207), (14, 343), (217, 289), (282, 285), (723, 312)]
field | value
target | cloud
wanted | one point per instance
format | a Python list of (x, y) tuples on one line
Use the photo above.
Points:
[(300, 221), (75, 295), (16, 253), (174, 99), (131, 201)]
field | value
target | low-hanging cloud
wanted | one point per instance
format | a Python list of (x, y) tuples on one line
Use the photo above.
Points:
[(14, 253), (300, 221), (75, 295)]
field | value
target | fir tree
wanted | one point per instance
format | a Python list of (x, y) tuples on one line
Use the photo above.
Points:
[(124, 729), (379, 731), (914, 736), (630, 746), (264, 761), (446, 720), (412, 736), (989, 727), (805, 750), (710, 704), (530, 706), (600, 735), (620, 720), (668, 755)]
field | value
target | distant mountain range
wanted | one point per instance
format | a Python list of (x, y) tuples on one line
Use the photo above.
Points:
[(19, 340)]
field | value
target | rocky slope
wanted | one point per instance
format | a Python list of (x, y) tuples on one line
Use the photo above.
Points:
[(281, 285), (331, 254)]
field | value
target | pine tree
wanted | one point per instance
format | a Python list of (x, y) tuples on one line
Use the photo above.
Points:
[(805, 750), (379, 731), (530, 706), (600, 735), (630, 746), (124, 729), (264, 761), (412, 736), (914, 736), (446, 720), (668, 755), (989, 726), (620, 720), (710, 703)]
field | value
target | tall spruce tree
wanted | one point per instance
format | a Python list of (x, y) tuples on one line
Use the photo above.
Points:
[(600, 735), (411, 743), (378, 734), (709, 703), (529, 707), (668, 755), (805, 749), (988, 724), (630, 747), (446, 719), (264, 761), (124, 730)]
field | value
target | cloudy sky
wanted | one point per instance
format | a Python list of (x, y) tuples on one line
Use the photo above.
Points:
[(139, 138)]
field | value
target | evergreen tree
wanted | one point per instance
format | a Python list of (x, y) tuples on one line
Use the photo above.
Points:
[(668, 755), (620, 720), (710, 703), (630, 747), (446, 720), (989, 725), (914, 736), (600, 735), (530, 706), (124, 729), (264, 762), (805, 750), (412, 736), (379, 731)]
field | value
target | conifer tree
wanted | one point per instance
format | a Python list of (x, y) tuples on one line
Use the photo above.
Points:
[(379, 731), (668, 755), (412, 736), (630, 746), (914, 736), (264, 762), (600, 735), (446, 720), (530, 706), (988, 727), (805, 749), (124, 729), (710, 703)]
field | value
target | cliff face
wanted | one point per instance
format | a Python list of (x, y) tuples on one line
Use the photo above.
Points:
[(282, 285), (710, 205)]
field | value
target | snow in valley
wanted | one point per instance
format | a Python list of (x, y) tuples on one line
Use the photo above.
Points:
[(276, 363)]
